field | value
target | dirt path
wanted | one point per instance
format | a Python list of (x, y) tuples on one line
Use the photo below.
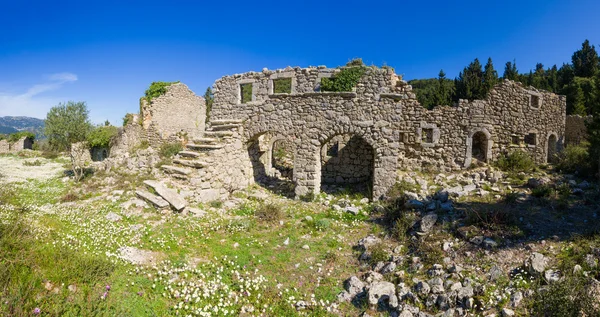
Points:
[(12, 169)]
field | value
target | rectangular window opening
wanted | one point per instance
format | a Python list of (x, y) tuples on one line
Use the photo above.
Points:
[(246, 92), (530, 139), (515, 140), (535, 101), (427, 135), (282, 85)]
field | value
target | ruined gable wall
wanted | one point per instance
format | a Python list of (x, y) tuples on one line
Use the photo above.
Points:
[(4, 146), (178, 111), (576, 131)]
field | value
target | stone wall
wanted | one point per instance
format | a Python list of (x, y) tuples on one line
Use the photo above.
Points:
[(346, 159), (4, 146), (383, 112), (19, 145), (576, 131), (176, 114), (127, 138)]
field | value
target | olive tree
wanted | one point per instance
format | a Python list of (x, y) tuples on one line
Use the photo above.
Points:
[(66, 124)]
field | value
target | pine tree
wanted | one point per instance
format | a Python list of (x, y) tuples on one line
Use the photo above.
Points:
[(469, 83), (443, 92), (594, 128), (490, 78), (585, 60), (510, 71)]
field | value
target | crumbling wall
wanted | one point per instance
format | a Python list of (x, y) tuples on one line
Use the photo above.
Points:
[(576, 130), (179, 113), (128, 137), (383, 111), (4, 146), (21, 144)]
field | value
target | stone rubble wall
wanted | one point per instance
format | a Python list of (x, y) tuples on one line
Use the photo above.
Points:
[(177, 114), (384, 112), (576, 131), (127, 138), (20, 145)]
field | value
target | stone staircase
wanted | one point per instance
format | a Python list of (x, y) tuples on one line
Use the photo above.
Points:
[(199, 153)]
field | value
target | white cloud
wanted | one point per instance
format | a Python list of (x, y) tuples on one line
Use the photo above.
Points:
[(32, 103)]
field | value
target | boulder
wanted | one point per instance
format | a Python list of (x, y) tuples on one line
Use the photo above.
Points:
[(428, 221), (536, 264), (354, 285), (382, 292)]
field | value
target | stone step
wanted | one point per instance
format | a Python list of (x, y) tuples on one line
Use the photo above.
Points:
[(206, 140), (175, 170), (204, 147), (189, 154), (168, 194), (151, 198), (226, 121), (220, 127), (191, 163), (218, 134)]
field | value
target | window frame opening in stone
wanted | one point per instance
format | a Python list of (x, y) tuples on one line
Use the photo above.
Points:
[(552, 149), (260, 152), (246, 92), (530, 139), (282, 85), (515, 140), (351, 170), (427, 135), (479, 146), (535, 101), (282, 159)]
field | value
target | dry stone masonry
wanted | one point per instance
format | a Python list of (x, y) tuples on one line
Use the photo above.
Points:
[(362, 136), (19, 145)]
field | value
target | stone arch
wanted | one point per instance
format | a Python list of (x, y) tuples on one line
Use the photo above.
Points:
[(346, 160), (260, 153), (481, 140), (552, 146)]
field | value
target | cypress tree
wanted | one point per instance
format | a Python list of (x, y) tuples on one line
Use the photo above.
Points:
[(490, 78)]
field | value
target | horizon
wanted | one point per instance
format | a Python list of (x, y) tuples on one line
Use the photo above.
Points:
[(114, 51)]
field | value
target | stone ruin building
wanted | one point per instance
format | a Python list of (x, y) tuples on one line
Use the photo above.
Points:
[(21, 144), (361, 136)]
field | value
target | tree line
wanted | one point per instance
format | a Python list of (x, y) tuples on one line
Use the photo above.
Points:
[(578, 80)]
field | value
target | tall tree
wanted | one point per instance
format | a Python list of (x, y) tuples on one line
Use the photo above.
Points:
[(510, 71), (594, 128), (585, 60), (66, 124), (469, 83), (490, 77), (443, 90)]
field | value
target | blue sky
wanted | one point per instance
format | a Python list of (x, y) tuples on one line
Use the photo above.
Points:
[(107, 52)]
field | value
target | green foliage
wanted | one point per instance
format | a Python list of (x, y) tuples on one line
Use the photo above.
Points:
[(565, 298), (14, 137), (378, 253), (66, 124), (516, 161), (209, 99), (157, 89), (542, 191), (345, 80), (355, 62), (101, 136), (32, 163), (434, 91), (490, 76), (510, 71), (168, 150), (246, 90), (127, 118), (469, 83), (574, 158), (585, 60), (282, 86), (269, 213)]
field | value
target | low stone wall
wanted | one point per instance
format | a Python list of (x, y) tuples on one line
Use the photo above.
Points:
[(23, 143), (127, 138), (4, 146), (576, 131)]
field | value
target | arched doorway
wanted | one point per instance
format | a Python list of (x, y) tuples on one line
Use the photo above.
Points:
[(272, 159), (552, 149), (479, 147), (347, 164)]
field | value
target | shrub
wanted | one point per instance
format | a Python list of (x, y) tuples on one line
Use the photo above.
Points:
[(269, 213), (32, 163), (282, 86), (101, 136), (345, 80), (399, 188), (574, 158), (492, 216), (516, 161), (50, 155), (157, 89), (568, 297), (69, 197), (127, 118), (542, 191), (14, 137), (355, 62), (168, 150), (378, 253)]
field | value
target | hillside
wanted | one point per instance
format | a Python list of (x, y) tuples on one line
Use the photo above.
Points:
[(10, 124)]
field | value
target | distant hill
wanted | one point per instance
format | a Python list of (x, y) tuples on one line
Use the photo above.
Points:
[(15, 124)]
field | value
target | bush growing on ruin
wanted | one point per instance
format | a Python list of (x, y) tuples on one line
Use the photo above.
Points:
[(168, 150), (157, 89), (345, 80), (101, 136), (516, 161)]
